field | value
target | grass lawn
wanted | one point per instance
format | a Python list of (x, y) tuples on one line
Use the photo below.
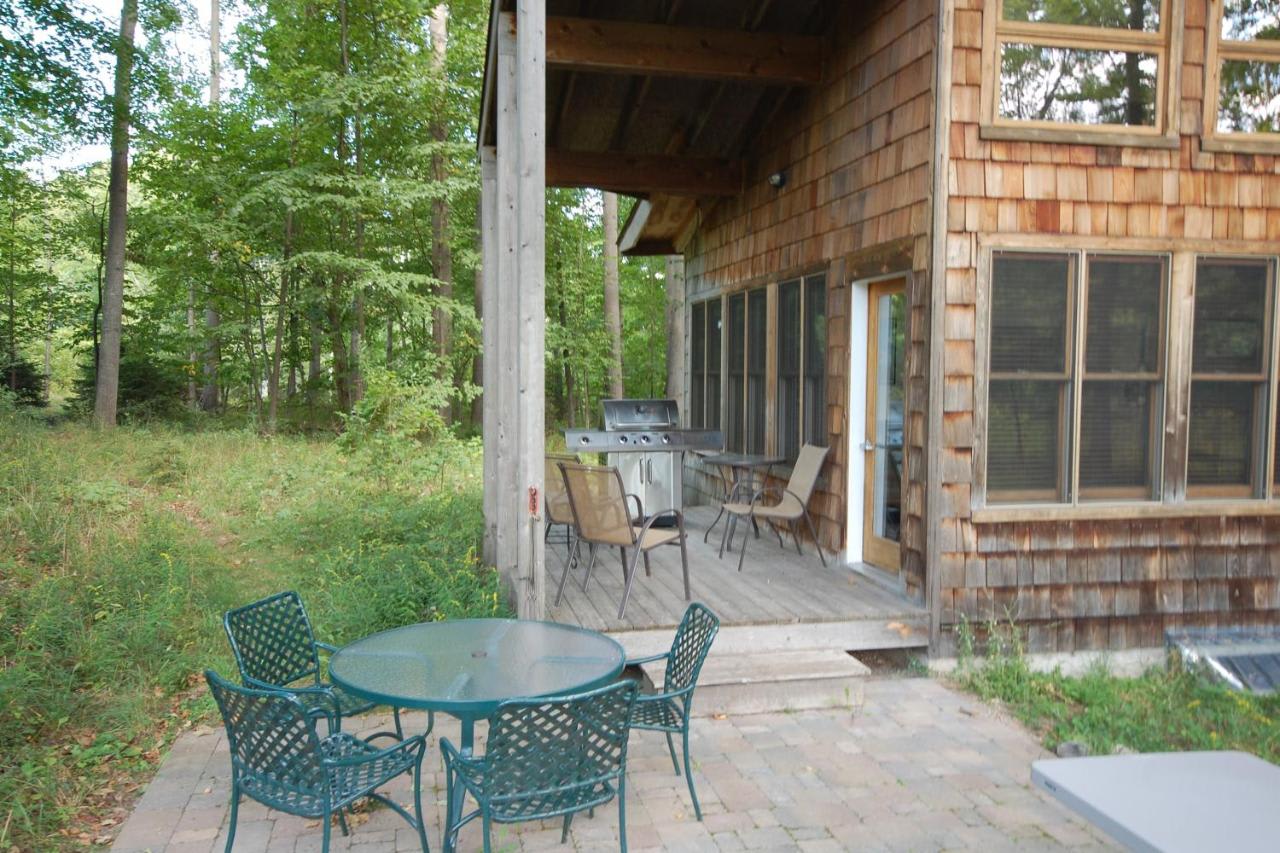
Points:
[(1159, 711), (120, 550)]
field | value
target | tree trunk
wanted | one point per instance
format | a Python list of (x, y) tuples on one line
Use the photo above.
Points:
[(675, 326), (282, 312), (341, 365), (212, 319), (292, 387), (441, 251), (612, 302), (108, 377), (192, 399), (13, 286), (314, 365)]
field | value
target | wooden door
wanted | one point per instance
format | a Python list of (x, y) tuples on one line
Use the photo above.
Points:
[(882, 444)]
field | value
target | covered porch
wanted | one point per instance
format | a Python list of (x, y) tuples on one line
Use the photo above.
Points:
[(783, 599)]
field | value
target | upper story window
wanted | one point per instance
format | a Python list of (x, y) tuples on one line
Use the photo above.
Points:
[(1093, 68), (1242, 98)]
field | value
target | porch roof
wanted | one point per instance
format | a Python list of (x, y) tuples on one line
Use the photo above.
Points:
[(665, 99)]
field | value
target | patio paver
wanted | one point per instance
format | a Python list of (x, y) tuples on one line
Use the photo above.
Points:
[(916, 767)]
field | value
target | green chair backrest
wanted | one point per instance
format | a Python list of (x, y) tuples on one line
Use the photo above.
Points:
[(274, 745), (558, 744), (689, 649), (272, 640)]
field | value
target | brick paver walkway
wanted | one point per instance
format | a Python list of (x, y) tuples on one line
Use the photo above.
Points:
[(915, 767)]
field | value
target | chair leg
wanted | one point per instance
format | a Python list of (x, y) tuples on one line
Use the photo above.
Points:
[(622, 813), (795, 536), (684, 567), (647, 572), (591, 564), (564, 830), (431, 722), (778, 533), (417, 806), (235, 807), (342, 823), (488, 844), (742, 553), (630, 574), (688, 773), (395, 713), (816, 546), (671, 747), (564, 578), (326, 832)]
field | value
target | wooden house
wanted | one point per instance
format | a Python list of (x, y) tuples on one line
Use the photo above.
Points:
[(1014, 266)]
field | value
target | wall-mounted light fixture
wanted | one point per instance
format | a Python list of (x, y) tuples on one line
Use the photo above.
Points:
[(778, 180)]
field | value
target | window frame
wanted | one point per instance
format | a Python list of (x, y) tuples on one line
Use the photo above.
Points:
[(1217, 51), (1166, 44), (708, 418), (803, 431), (1067, 493)]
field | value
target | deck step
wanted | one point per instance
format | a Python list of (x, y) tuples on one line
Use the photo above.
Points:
[(774, 681), (902, 631)]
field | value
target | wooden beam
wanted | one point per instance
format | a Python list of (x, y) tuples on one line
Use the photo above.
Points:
[(626, 47), (637, 174)]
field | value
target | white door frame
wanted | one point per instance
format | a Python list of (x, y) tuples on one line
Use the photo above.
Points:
[(859, 291)]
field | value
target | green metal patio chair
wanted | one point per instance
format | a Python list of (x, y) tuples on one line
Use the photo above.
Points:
[(276, 649), (545, 758), (669, 710), (278, 759)]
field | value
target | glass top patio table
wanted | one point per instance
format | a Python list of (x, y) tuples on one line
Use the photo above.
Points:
[(466, 667)]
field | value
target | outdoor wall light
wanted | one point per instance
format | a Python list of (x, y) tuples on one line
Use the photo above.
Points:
[(778, 180)]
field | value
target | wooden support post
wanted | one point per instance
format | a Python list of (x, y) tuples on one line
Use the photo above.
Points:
[(506, 283), (531, 110), (489, 362)]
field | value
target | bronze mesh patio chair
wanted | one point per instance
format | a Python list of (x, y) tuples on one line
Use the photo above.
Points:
[(792, 504), (602, 516), (559, 513)]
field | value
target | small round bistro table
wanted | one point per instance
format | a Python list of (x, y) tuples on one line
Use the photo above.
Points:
[(466, 667), (742, 467)]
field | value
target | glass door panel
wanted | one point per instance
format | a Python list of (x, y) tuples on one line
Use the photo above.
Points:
[(882, 446)]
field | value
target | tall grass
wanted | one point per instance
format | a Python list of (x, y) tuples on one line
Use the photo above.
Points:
[(120, 550)]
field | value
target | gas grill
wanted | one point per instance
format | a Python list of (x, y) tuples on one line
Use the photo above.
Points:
[(643, 439)]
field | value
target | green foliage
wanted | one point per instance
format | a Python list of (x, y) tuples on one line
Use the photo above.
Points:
[(1163, 709), (121, 550), (23, 381), (150, 387)]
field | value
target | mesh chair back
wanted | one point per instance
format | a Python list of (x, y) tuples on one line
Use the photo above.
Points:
[(598, 502), (558, 746), (273, 743), (804, 476), (558, 509), (272, 640), (689, 649)]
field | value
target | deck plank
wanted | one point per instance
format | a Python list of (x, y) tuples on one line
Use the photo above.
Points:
[(775, 587)]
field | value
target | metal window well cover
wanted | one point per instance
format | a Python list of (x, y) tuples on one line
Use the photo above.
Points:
[(1246, 659)]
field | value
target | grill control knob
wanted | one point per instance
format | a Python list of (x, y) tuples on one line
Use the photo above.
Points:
[(622, 439), (644, 438), (666, 439), (586, 439)]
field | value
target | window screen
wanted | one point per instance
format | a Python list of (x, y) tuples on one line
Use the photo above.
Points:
[(698, 366), (735, 439), (1230, 374), (789, 373), (1122, 386), (1029, 397), (713, 364), (815, 360), (757, 348)]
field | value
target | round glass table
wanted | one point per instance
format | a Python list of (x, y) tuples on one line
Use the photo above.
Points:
[(466, 667)]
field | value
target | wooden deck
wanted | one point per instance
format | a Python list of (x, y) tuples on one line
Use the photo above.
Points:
[(776, 587)]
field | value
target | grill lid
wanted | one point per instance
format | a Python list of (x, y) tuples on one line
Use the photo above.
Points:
[(641, 414)]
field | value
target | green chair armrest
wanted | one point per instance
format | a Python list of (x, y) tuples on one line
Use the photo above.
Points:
[(649, 659), (326, 647), (416, 743)]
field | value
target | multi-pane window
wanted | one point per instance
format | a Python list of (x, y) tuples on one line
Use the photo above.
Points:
[(1101, 65), (704, 343), (790, 376), (1230, 378), (801, 357), (1243, 85), (1076, 376)]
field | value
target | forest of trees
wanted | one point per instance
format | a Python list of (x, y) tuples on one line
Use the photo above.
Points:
[(284, 229)]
